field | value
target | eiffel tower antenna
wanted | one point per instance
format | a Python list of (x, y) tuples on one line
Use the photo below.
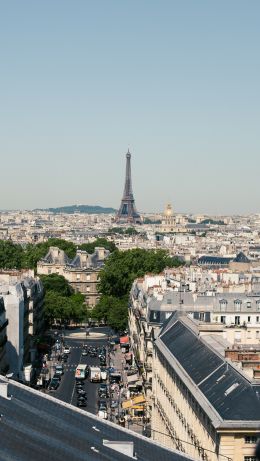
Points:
[(127, 212)]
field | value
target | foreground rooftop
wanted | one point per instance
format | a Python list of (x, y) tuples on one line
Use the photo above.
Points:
[(35, 426)]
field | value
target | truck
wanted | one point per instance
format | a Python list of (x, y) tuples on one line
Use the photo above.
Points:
[(81, 371), (95, 374)]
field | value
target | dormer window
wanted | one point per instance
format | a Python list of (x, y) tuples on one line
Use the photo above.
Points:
[(237, 304), (223, 305)]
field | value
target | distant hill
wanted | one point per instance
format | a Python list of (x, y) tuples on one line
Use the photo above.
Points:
[(80, 209)]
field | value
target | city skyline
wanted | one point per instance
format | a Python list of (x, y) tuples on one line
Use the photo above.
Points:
[(176, 83)]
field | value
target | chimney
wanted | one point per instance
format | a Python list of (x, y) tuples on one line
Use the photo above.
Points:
[(4, 391), (126, 448)]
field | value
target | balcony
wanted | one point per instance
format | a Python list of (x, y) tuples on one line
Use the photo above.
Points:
[(148, 366)]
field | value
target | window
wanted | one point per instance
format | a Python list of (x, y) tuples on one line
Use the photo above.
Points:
[(223, 305), (88, 289), (223, 319), (250, 439), (78, 276), (250, 458), (257, 319), (248, 304), (237, 304), (249, 319), (88, 277), (258, 304), (237, 320), (257, 335), (169, 301)]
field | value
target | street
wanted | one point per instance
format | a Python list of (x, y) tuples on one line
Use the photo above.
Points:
[(66, 390)]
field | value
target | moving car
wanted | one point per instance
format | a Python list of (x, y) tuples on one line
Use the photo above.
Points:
[(81, 371)]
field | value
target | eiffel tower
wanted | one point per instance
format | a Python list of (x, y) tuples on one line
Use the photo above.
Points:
[(127, 212)]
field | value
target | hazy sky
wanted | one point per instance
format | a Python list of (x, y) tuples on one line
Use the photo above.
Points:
[(176, 82)]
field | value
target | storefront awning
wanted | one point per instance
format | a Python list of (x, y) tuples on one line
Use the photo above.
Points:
[(134, 403)]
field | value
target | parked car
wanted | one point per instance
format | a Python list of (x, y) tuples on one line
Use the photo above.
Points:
[(102, 405), (84, 352), (57, 376), (59, 370), (114, 404), (54, 384), (81, 403), (66, 350), (103, 391)]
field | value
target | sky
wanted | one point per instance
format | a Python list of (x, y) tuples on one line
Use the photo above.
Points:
[(176, 82)]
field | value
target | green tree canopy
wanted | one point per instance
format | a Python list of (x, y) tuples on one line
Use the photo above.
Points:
[(99, 242), (61, 303), (11, 255), (116, 278), (57, 283), (121, 268)]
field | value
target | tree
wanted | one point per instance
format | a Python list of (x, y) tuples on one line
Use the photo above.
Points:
[(131, 231), (63, 306), (11, 255), (57, 283), (117, 317), (116, 278), (99, 242), (121, 269)]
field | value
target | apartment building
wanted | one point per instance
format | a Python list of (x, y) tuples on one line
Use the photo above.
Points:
[(23, 298), (82, 272), (203, 404), (3, 337)]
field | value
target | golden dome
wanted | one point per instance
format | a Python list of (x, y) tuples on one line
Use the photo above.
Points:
[(168, 210)]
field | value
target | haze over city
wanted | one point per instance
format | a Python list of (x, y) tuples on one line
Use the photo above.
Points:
[(175, 82)]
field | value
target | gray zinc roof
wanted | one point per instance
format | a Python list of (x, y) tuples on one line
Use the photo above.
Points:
[(34, 426), (229, 393)]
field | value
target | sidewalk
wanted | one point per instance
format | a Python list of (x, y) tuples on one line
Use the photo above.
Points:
[(117, 358)]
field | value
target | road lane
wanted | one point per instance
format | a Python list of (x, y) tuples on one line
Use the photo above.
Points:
[(66, 391)]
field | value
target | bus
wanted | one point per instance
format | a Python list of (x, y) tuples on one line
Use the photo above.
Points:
[(81, 371)]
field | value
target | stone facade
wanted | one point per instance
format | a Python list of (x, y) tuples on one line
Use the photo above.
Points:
[(23, 298), (3, 337), (201, 405), (82, 272)]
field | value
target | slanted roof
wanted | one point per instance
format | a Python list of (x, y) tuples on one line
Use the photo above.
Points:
[(241, 258), (233, 397), (214, 260), (38, 427)]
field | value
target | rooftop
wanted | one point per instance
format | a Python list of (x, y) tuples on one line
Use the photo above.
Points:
[(217, 385), (34, 426)]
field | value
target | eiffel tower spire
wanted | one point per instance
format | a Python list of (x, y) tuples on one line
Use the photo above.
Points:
[(127, 211)]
